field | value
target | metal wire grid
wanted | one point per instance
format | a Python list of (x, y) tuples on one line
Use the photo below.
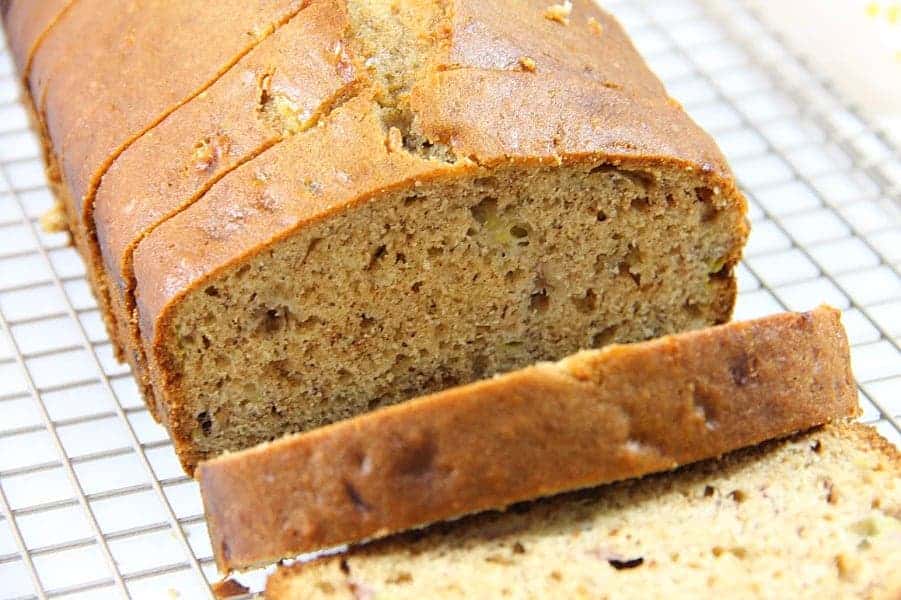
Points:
[(92, 501)]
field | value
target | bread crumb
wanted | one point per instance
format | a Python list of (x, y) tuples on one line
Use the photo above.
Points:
[(527, 64), (54, 220), (228, 588), (264, 89), (595, 26), (173, 593), (559, 12), (208, 152)]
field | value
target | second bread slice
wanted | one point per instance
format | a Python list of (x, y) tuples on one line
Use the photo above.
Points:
[(596, 417)]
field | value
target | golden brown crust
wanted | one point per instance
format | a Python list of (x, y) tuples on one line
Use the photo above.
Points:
[(584, 96), (495, 36), (228, 588), (287, 82), (596, 417), (482, 115), (148, 40)]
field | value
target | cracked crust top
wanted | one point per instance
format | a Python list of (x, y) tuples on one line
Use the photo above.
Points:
[(280, 88), (596, 417)]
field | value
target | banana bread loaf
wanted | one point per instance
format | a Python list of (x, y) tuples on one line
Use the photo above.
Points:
[(306, 210), (596, 417), (816, 516)]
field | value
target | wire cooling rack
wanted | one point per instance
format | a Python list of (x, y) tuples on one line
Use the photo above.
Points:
[(93, 503)]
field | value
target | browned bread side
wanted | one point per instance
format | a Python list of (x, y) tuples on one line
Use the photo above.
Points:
[(596, 417), (811, 517), (27, 22)]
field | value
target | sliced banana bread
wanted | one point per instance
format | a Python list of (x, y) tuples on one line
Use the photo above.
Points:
[(815, 516), (596, 417)]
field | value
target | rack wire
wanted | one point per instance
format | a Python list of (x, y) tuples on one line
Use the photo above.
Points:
[(92, 501)]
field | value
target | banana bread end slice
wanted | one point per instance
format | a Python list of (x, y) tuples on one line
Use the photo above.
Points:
[(814, 516)]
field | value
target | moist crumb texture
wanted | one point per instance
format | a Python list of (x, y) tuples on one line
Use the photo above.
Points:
[(441, 286), (380, 199), (816, 516)]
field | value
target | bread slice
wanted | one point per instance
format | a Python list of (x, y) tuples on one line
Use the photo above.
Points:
[(596, 417), (455, 218), (815, 516)]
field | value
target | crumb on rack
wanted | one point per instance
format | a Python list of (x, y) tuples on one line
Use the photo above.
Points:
[(559, 12), (228, 588), (527, 64), (54, 220)]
